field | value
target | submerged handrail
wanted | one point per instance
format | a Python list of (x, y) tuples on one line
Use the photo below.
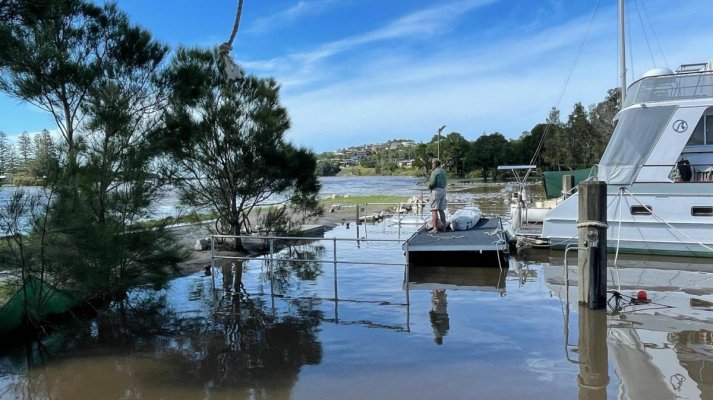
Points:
[(272, 238), (335, 261)]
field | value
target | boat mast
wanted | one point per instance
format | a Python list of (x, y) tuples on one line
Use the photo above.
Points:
[(622, 51)]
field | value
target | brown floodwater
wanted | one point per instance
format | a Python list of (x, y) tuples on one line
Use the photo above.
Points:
[(294, 330)]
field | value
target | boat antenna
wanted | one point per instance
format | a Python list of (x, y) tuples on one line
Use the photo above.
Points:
[(622, 51), (231, 68)]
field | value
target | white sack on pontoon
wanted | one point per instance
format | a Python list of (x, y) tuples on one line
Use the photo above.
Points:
[(465, 218)]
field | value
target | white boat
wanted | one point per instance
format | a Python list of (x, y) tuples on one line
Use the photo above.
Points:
[(658, 167), (526, 212), (410, 219)]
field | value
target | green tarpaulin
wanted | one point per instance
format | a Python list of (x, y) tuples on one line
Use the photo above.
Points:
[(42, 300), (553, 180)]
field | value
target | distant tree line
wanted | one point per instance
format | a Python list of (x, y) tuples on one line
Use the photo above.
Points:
[(553, 144), (29, 159)]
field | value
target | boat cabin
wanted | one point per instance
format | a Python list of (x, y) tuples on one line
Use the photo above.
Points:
[(664, 132)]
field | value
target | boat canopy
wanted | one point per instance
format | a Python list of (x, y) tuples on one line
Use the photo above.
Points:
[(553, 180), (633, 139)]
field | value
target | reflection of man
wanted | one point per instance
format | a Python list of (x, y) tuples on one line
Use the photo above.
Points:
[(439, 315)]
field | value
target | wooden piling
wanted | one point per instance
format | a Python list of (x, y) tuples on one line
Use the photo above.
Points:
[(592, 234), (593, 375)]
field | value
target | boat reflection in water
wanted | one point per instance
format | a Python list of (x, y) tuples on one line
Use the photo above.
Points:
[(659, 327)]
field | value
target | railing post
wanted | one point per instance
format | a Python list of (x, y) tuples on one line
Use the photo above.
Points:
[(272, 250), (408, 299), (336, 290), (212, 260), (212, 252), (272, 278), (567, 185)]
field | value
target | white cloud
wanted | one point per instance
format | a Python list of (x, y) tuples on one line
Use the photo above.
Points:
[(506, 85), (302, 67), (300, 9)]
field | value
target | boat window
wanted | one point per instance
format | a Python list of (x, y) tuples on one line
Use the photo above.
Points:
[(670, 88), (703, 134), (634, 137), (702, 211), (641, 210)]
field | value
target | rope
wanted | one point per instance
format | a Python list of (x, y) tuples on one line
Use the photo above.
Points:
[(592, 224), (566, 82), (441, 237), (618, 241), (231, 68), (653, 31), (643, 29)]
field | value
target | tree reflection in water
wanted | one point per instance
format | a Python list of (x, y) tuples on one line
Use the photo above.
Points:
[(234, 342), (295, 262)]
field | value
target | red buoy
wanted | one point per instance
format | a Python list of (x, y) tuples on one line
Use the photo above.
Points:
[(641, 295)]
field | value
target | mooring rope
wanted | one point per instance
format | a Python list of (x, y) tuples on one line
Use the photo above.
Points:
[(592, 224), (618, 241)]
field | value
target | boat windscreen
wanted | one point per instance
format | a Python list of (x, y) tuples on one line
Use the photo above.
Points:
[(633, 139)]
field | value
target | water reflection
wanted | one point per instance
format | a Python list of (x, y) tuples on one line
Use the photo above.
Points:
[(485, 279), (661, 347), (438, 279), (230, 342), (439, 315), (264, 329), (593, 375)]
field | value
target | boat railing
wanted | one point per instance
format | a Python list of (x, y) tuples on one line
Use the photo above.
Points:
[(682, 172), (681, 86)]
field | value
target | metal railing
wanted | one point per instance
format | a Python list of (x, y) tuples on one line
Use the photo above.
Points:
[(289, 240), (271, 240)]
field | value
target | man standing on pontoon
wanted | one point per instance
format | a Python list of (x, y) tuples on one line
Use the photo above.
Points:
[(437, 186)]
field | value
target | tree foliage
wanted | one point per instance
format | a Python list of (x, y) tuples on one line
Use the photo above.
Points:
[(226, 138), (96, 74)]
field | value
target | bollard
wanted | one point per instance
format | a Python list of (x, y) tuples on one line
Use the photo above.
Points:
[(592, 237)]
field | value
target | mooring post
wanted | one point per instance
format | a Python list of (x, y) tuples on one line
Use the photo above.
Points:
[(592, 234), (567, 185)]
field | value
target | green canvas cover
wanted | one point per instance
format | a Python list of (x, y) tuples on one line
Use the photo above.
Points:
[(553, 180), (43, 300)]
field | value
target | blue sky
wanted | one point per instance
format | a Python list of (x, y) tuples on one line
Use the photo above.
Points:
[(364, 71)]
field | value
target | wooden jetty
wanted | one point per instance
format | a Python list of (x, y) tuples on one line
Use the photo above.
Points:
[(482, 245)]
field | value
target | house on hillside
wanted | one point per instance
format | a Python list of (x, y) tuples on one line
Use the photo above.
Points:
[(405, 163)]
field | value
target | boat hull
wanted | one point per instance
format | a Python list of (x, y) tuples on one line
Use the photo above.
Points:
[(670, 228)]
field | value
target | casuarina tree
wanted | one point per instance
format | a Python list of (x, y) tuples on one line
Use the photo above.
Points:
[(226, 137)]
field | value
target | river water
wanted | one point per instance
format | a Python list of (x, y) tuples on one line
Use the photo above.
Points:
[(359, 329)]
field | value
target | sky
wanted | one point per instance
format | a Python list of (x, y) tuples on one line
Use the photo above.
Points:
[(356, 72)]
